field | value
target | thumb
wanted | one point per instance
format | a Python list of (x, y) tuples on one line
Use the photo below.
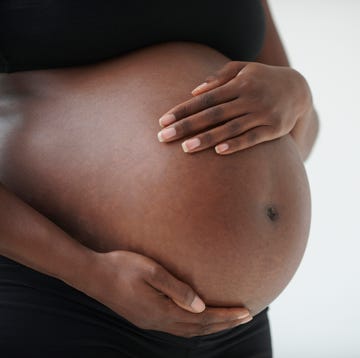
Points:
[(197, 305), (181, 293), (224, 75)]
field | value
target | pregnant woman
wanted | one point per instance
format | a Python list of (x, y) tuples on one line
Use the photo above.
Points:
[(122, 235)]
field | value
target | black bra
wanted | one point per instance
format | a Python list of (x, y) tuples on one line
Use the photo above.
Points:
[(44, 34)]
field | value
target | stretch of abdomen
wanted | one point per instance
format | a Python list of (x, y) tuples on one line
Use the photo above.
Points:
[(80, 146)]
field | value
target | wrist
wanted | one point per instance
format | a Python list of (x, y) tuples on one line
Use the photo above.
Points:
[(79, 274), (96, 268)]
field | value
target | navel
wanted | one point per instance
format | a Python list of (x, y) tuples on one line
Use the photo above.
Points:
[(272, 213)]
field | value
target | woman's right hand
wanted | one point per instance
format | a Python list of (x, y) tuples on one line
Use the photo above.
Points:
[(146, 294)]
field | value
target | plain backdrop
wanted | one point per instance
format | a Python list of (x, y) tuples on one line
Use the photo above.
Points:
[(318, 315)]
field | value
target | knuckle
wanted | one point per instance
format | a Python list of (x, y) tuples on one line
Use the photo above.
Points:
[(234, 127), (254, 66), (252, 136), (235, 68), (278, 125), (245, 81), (185, 127), (251, 88), (248, 85), (207, 138), (232, 65), (229, 69), (183, 111), (206, 100), (214, 114), (156, 273), (273, 114), (273, 119), (273, 130)]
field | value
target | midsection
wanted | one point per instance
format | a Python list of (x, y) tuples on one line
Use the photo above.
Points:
[(80, 146)]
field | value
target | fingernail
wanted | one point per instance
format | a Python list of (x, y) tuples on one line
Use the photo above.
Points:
[(247, 320), (221, 147), (200, 87), (167, 119), (166, 134), (190, 144), (197, 305), (243, 315)]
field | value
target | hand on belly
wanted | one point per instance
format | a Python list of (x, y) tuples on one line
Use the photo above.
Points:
[(84, 152)]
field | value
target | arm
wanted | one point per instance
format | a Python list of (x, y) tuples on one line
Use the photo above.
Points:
[(273, 53), (30, 238), (284, 104), (130, 284)]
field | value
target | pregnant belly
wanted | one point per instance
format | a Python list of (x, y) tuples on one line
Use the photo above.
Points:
[(80, 146)]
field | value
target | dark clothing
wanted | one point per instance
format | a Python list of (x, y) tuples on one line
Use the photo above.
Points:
[(38, 34), (42, 317)]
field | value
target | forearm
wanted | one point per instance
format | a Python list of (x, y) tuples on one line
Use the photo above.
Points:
[(30, 238), (273, 53)]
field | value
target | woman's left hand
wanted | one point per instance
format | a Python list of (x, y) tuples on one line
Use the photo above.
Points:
[(243, 104)]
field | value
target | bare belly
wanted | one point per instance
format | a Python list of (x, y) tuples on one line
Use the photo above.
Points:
[(80, 146)]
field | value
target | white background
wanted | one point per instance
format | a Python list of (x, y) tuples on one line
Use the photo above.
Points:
[(318, 314)]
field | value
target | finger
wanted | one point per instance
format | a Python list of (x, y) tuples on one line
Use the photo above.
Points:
[(210, 315), (205, 119), (158, 311), (214, 136), (248, 139), (225, 74), (199, 103), (182, 294), (192, 329)]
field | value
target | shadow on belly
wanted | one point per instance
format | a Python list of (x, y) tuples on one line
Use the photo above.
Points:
[(83, 151)]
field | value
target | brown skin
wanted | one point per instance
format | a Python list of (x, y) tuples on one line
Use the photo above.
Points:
[(111, 185), (31, 239), (249, 103), (132, 277), (36, 243)]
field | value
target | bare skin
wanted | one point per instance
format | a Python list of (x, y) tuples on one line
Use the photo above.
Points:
[(44, 107), (246, 103), (99, 173)]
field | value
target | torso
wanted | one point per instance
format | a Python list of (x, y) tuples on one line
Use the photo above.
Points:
[(80, 145)]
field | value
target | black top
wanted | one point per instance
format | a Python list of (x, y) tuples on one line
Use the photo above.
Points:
[(39, 34)]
